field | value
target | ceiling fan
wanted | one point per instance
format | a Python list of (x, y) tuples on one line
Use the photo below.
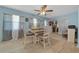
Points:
[(43, 10)]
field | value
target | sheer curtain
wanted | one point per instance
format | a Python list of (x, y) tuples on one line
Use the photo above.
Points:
[(15, 27)]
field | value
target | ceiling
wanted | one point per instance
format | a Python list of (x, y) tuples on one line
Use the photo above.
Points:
[(58, 9)]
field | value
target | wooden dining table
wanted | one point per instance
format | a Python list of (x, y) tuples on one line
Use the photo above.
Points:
[(38, 35), (36, 30)]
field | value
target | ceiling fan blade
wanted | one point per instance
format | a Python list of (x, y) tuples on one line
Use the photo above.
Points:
[(37, 10), (49, 13), (49, 10)]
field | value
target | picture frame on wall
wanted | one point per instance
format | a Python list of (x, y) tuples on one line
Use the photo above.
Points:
[(26, 19)]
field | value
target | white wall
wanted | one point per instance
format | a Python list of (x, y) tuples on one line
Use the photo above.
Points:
[(69, 19)]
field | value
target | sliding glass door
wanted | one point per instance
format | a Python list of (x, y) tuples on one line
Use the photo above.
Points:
[(7, 27)]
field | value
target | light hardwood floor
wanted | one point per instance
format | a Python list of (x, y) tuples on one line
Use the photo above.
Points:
[(58, 45)]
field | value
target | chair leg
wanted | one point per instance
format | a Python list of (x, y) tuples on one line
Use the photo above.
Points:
[(44, 44), (34, 40), (49, 43)]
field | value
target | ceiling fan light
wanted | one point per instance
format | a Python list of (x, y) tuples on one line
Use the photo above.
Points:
[(42, 13)]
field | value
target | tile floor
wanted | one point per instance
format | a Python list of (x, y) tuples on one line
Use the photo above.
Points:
[(58, 45)]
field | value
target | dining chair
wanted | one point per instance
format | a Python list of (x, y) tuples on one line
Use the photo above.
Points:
[(45, 40), (29, 37)]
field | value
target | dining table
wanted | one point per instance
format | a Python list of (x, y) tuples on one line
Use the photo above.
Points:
[(38, 36)]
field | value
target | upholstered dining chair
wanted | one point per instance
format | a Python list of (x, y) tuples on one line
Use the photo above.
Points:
[(45, 40), (36, 38), (29, 37)]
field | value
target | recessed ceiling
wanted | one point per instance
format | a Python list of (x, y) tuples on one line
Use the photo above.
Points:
[(58, 9)]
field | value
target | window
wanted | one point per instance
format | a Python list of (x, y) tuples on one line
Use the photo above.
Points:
[(15, 21), (35, 22), (45, 23)]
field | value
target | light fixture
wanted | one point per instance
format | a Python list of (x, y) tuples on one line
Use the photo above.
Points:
[(43, 13), (43, 10)]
